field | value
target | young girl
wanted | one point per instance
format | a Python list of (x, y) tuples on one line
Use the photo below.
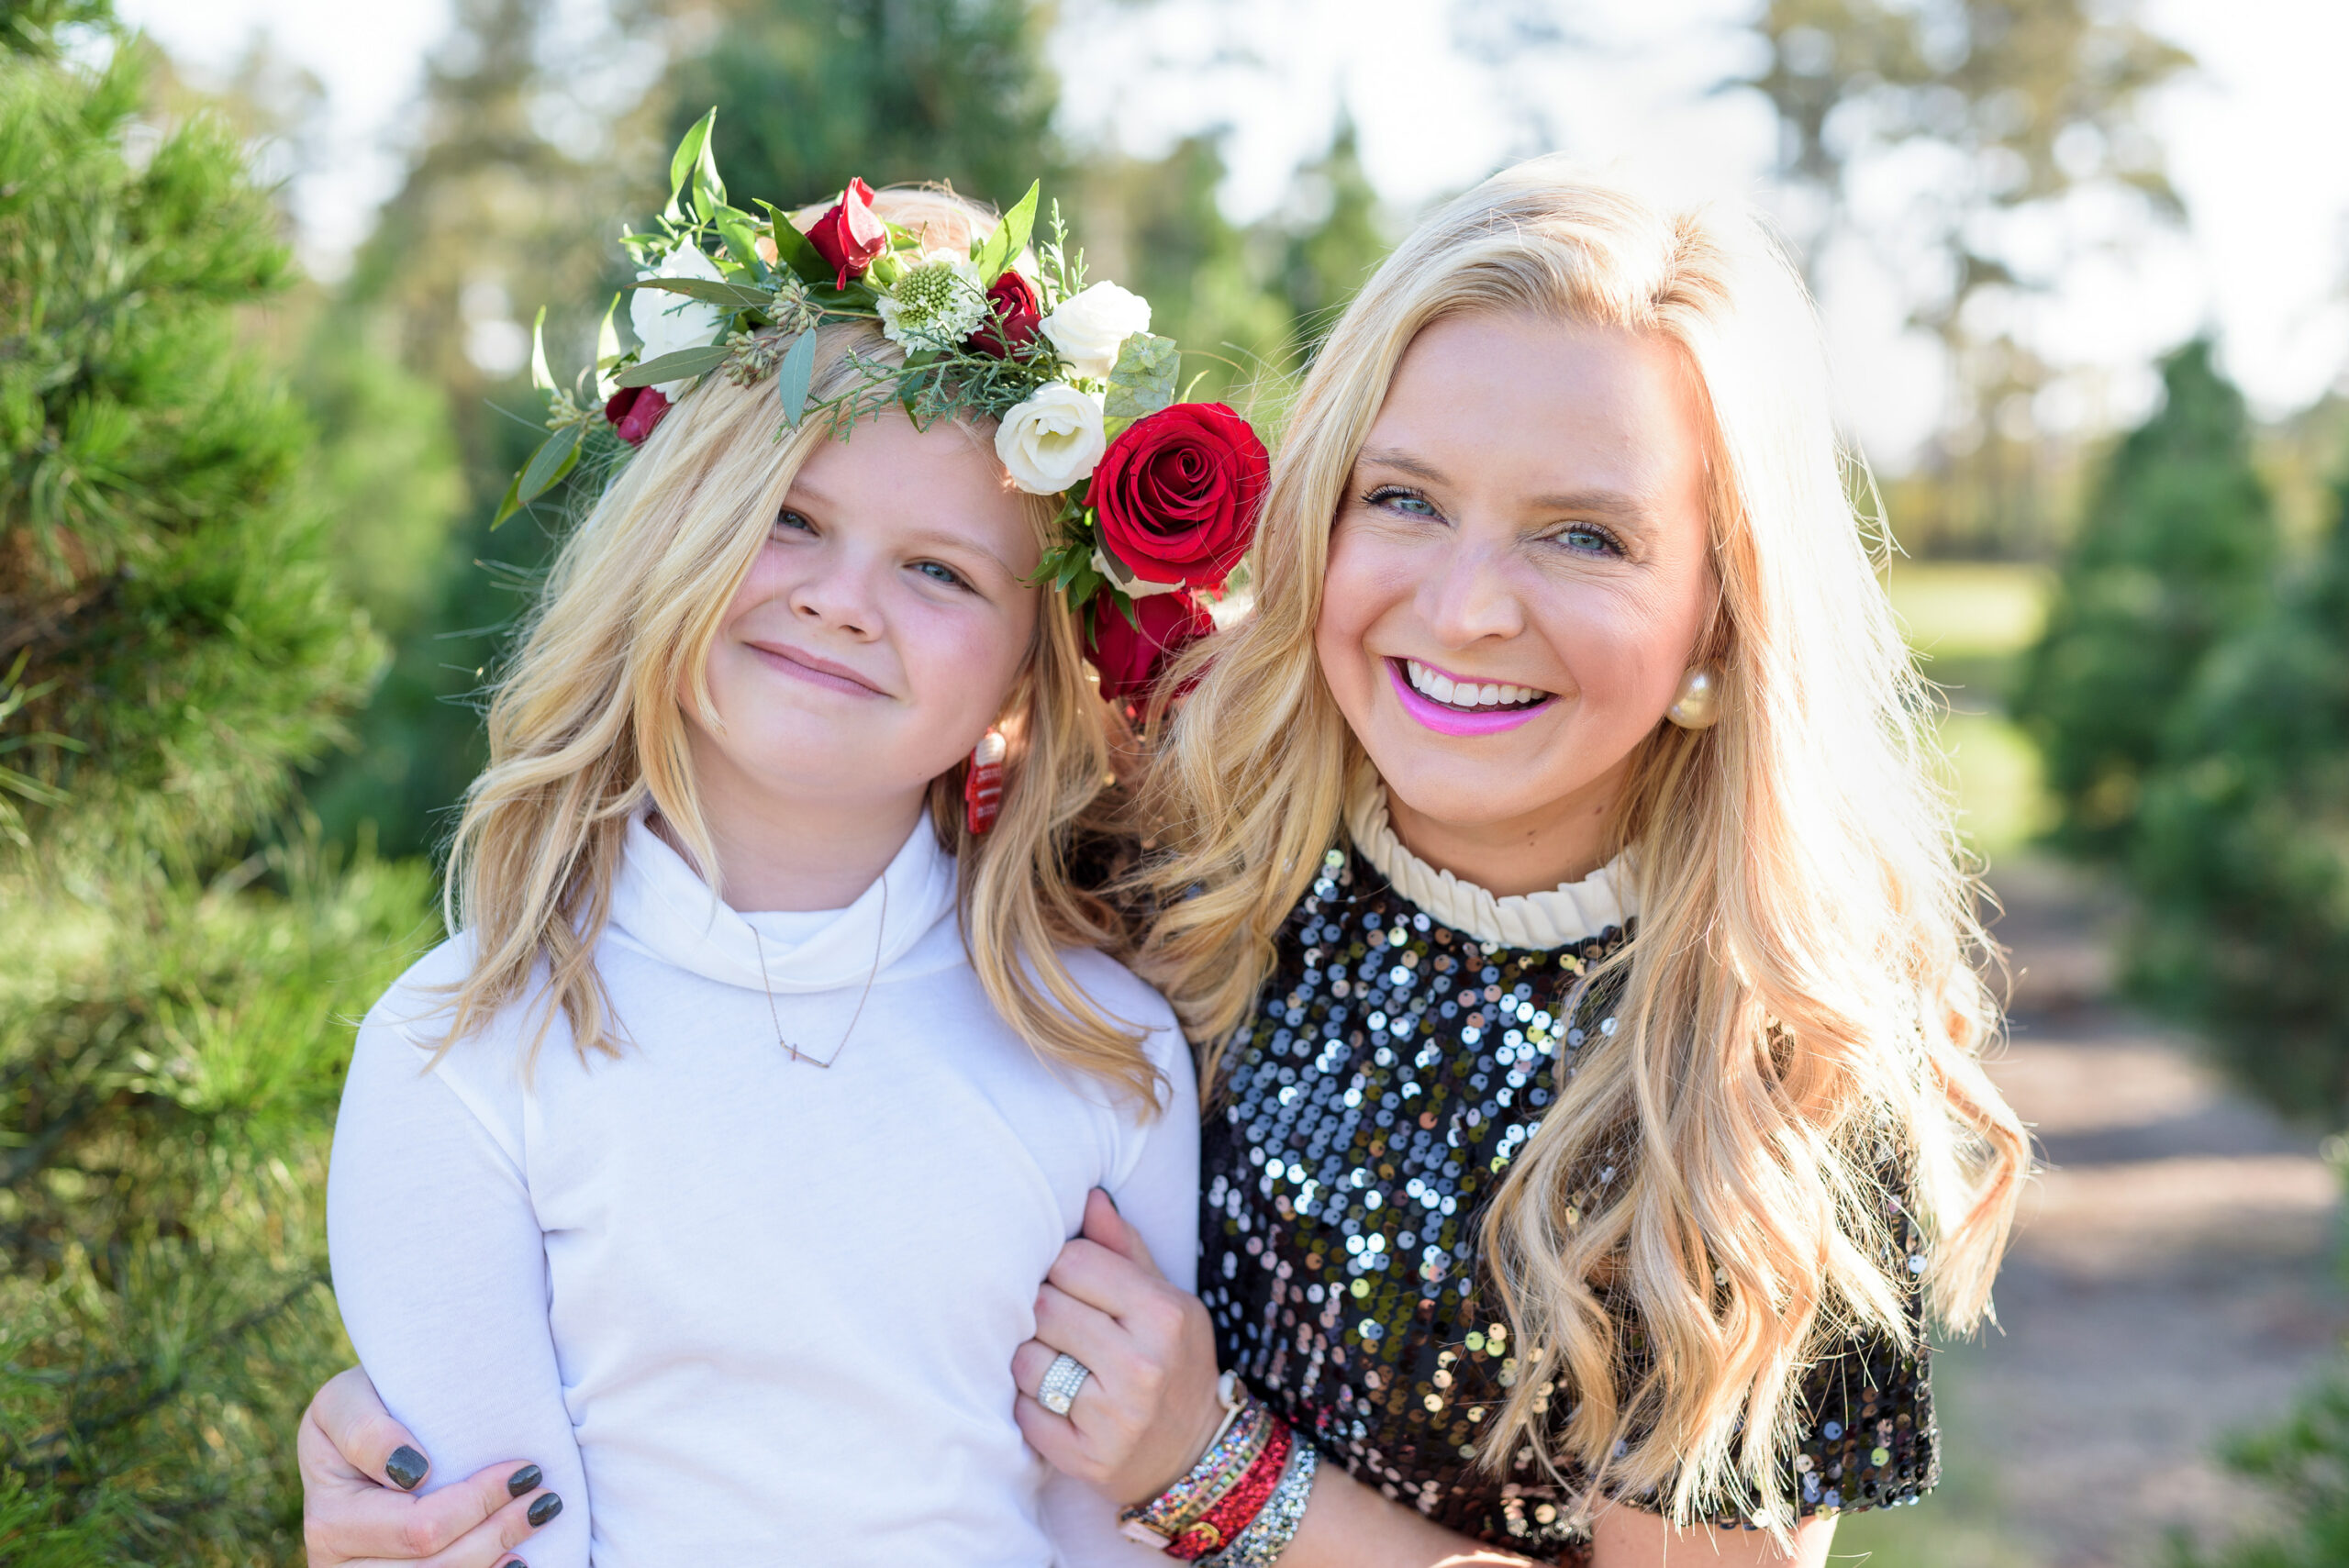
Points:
[(1590, 985), (713, 1164)]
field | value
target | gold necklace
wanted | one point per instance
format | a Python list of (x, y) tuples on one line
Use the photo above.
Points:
[(797, 1055)]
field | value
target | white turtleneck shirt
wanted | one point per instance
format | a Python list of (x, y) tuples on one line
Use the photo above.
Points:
[(741, 1309)]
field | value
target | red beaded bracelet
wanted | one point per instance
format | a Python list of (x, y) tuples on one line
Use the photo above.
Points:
[(1235, 1509)]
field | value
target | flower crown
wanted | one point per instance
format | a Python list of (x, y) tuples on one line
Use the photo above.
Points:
[(1158, 496)]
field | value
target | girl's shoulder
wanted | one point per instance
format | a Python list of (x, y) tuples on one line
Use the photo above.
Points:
[(1133, 1002)]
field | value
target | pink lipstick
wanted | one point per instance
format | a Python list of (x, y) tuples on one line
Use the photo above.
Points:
[(1446, 720)]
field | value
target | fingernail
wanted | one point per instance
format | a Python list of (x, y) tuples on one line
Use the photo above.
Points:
[(1113, 1201), (405, 1467), (513, 1563), (543, 1509), (526, 1479)]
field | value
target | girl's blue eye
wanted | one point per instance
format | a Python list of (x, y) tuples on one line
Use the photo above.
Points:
[(788, 518), (941, 573), (1411, 503)]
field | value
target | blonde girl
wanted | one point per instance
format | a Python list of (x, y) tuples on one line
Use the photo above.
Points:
[(1591, 991), (711, 1166)]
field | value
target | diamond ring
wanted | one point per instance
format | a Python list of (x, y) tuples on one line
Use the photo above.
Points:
[(1062, 1380)]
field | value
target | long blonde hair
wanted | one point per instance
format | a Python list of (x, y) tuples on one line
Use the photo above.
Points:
[(585, 728), (1804, 993)]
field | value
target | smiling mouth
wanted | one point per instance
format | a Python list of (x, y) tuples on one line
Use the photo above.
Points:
[(1468, 696)]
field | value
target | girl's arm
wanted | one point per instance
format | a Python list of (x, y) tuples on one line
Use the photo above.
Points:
[(1150, 1408), (440, 1269)]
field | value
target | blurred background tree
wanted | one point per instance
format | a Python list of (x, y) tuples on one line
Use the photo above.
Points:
[(2003, 111), (2177, 550), (173, 645)]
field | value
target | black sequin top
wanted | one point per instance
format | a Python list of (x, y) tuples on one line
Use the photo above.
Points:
[(1396, 1066)]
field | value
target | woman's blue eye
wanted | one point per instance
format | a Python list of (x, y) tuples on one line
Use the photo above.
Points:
[(1408, 502), (1590, 539)]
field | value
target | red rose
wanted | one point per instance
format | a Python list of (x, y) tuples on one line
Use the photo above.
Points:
[(1014, 314), (1178, 493), (849, 236), (1129, 657), (633, 411)]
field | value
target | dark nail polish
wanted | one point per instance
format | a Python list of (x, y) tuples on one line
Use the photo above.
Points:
[(405, 1467), (526, 1479), (1113, 1201), (543, 1509)]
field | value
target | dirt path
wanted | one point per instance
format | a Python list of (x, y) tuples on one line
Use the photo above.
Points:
[(2172, 1281)]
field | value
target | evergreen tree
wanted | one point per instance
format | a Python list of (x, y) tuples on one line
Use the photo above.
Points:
[(171, 646), (2175, 551), (2241, 854)]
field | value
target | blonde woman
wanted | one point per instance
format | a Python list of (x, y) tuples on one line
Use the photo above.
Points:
[(1589, 984), (711, 1166)]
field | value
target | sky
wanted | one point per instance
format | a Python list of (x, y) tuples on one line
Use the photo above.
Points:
[(2254, 139)]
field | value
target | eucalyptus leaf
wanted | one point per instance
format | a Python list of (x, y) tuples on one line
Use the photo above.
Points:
[(688, 153), (509, 504), (1002, 247), (1141, 382), (733, 297), (550, 464), (790, 378), (678, 366)]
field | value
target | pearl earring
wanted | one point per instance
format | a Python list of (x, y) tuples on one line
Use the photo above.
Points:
[(1698, 704)]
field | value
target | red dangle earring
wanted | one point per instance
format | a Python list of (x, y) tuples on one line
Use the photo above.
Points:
[(983, 783)]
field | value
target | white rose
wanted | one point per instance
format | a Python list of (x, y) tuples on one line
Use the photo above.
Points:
[(1089, 327), (666, 322), (1051, 440)]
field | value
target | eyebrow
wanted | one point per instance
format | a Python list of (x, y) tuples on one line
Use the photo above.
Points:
[(1612, 505)]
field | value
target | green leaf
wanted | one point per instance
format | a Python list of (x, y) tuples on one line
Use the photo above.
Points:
[(688, 154), (709, 191), (793, 251), (549, 463), (1002, 247), (733, 297), (685, 362), (734, 228), (1141, 382), (541, 377), (608, 347), (510, 505), (790, 378)]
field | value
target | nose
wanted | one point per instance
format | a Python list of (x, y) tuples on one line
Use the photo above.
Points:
[(838, 594), (1470, 598)]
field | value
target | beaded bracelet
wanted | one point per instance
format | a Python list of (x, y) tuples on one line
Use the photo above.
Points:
[(1275, 1526), (1236, 1510), (1235, 1449)]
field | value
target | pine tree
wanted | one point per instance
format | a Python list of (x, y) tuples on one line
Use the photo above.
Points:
[(2241, 854), (171, 647), (2175, 551)]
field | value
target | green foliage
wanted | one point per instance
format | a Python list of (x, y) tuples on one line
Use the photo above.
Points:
[(2304, 1464), (171, 644), (2175, 551), (2242, 852)]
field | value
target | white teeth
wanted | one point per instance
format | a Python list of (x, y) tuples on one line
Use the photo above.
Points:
[(1465, 694)]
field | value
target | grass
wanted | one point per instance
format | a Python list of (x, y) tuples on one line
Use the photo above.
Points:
[(1969, 622)]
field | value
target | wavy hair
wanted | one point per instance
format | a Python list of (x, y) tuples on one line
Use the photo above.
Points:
[(585, 727), (1805, 991)]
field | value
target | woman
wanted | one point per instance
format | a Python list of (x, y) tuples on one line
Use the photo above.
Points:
[(1568, 688)]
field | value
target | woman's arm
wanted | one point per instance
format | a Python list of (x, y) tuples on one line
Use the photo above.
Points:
[(440, 1269), (1150, 1408)]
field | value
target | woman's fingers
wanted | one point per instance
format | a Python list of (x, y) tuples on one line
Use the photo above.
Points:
[(348, 1414), (1106, 1225), (454, 1527), (1065, 1324)]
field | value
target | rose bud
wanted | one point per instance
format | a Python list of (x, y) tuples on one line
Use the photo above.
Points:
[(1130, 656), (1178, 493), (849, 236), (1013, 314), (634, 410)]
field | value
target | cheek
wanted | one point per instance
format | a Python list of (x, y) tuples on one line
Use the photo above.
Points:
[(1626, 646), (1361, 583)]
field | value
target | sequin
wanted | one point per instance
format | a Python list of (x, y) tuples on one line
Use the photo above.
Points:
[(1395, 1069)]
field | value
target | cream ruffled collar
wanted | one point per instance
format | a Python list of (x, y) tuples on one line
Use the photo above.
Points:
[(1567, 914)]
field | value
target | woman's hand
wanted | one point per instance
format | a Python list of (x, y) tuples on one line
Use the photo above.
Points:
[(358, 1468), (1148, 1411)]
